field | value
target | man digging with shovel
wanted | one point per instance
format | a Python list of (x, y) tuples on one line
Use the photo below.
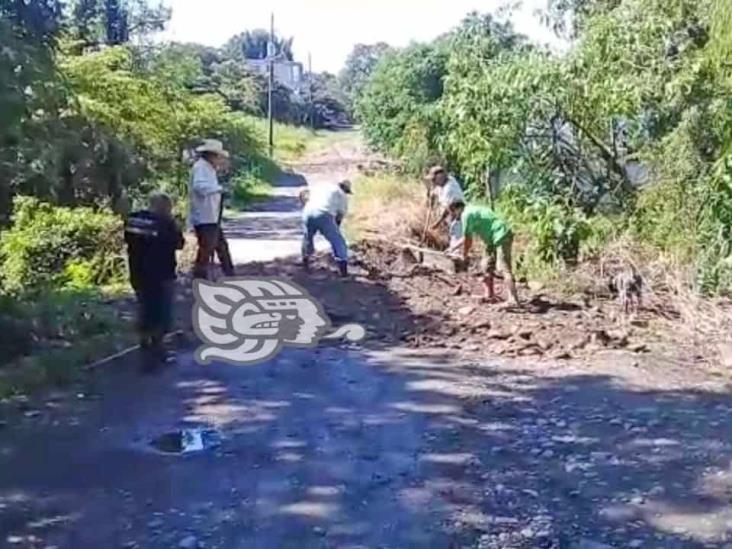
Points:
[(447, 191), (324, 208), (495, 233)]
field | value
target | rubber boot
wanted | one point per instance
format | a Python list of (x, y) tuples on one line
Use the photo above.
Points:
[(343, 269)]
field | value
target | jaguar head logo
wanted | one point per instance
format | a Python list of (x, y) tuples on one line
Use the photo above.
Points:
[(249, 320)]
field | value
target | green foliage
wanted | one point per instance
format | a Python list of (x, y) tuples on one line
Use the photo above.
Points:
[(359, 66), (51, 335), (645, 92), (225, 73), (30, 98), (253, 45), (37, 19), (110, 93), (398, 103), (243, 90), (114, 22), (249, 187), (492, 90), (56, 246), (553, 230), (329, 100)]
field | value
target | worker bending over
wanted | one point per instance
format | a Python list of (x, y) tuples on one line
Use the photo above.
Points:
[(495, 233), (324, 208)]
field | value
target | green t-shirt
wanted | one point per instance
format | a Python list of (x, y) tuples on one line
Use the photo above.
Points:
[(483, 222)]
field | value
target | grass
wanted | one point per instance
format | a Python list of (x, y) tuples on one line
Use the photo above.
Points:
[(291, 143), (52, 335), (249, 188), (384, 206)]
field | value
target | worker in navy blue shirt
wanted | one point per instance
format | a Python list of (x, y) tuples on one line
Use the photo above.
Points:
[(153, 237)]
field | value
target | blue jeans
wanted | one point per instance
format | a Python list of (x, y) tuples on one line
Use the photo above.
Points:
[(325, 224)]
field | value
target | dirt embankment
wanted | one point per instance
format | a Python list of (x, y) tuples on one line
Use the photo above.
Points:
[(544, 325)]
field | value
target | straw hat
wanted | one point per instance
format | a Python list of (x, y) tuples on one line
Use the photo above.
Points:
[(434, 172), (213, 146)]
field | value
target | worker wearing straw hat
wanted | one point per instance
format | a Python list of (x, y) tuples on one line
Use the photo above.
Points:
[(206, 207), (447, 191)]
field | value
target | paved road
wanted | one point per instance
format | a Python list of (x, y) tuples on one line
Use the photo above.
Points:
[(271, 229), (378, 447)]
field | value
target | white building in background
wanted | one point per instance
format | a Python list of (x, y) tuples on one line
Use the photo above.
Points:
[(287, 73)]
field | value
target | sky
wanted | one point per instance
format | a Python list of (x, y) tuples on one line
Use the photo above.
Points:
[(328, 29)]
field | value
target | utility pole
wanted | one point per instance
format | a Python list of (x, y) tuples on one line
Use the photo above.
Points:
[(271, 62), (310, 87)]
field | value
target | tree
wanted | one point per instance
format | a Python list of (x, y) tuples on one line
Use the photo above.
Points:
[(115, 22), (360, 63), (242, 89), (253, 45), (31, 95), (145, 17), (329, 102), (568, 17), (40, 19), (398, 105)]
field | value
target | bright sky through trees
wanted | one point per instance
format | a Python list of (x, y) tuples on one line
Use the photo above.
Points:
[(330, 28)]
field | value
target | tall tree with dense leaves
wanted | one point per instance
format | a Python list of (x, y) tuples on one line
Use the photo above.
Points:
[(253, 45), (30, 91), (398, 105), (360, 63), (115, 22), (38, 19)]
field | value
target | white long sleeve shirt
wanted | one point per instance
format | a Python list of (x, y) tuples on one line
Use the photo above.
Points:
[(204, 194), (327, 198)]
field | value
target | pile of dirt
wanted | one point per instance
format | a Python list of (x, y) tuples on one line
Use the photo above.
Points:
[(544, 326), (402, 301)]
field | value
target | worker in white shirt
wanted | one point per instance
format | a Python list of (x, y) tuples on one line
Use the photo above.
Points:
[(447, 191), (206, 206), (323, 213)]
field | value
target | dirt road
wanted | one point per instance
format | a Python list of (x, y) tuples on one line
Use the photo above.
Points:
[(373, 446)]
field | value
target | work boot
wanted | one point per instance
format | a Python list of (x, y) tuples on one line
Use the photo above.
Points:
[(343, 268), (306, 264)]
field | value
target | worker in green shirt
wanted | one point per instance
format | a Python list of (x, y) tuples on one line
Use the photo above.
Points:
[(495, 233)]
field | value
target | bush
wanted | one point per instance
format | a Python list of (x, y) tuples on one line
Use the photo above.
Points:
[(50, 246), (51, 333), (397, 104), (550, 232), (248, 187)]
